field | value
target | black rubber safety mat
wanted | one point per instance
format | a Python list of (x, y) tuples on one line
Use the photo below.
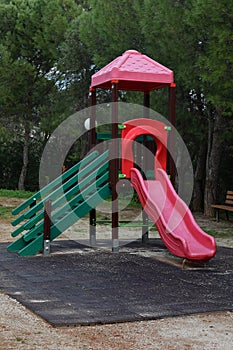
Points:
[(80, 286)]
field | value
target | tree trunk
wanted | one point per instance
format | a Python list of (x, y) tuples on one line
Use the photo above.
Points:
[(199, 178), (213, 162), (22, 177)]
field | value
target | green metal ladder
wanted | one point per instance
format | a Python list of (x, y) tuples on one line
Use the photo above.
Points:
[(73, 194)]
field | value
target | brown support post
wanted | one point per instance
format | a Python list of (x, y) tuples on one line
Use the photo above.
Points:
[(32, 205), (172, 119), (92, 135), (146, 114), (92, 97), (114, 167), (146, 104), (47, 226)]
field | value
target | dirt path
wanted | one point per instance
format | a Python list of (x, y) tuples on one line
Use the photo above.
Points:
[(21, 329)]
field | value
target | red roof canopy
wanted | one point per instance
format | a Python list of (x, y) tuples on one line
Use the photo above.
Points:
[(134, 72)]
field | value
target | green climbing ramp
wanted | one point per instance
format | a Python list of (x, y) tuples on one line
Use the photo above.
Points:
[(73, 194)]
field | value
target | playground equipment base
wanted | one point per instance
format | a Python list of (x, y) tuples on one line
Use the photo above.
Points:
[(80, 286)]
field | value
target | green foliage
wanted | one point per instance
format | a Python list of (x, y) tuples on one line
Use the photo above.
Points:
[(31, 34), (11, 160), (50, 49), (110, 28), (76, 67), (191, 37), (212, 21)]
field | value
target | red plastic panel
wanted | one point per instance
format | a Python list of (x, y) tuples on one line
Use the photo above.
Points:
[(174, 220), (133, 71), (138, 127)]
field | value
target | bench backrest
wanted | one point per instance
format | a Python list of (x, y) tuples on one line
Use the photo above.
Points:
[(229, 197)]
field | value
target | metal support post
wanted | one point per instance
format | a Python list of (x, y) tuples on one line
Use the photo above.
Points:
[(114, 168), (92, 228), (33, 205), (146, 114), (47, 226), (171, 141), (92, 135)]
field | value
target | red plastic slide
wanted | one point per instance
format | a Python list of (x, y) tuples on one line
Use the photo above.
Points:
[(176, 225)]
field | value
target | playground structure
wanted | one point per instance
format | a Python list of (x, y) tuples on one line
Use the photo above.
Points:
[(80, 189)]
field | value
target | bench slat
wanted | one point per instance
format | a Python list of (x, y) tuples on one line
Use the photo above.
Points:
[(224, 207), (227, 208)]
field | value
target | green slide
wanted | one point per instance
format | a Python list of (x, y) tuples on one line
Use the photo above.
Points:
[(72, 194)]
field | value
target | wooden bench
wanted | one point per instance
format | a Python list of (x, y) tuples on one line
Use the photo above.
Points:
[(227, 207)]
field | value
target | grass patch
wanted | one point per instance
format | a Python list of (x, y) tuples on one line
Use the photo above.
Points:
[(18, 338), (127, 200), (217, 234), (16, 194), (6, 213)]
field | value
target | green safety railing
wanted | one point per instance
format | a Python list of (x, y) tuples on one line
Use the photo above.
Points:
[(52, 185), (73, 195)]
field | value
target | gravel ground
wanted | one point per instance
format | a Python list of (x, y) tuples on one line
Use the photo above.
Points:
[(21, 329)]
